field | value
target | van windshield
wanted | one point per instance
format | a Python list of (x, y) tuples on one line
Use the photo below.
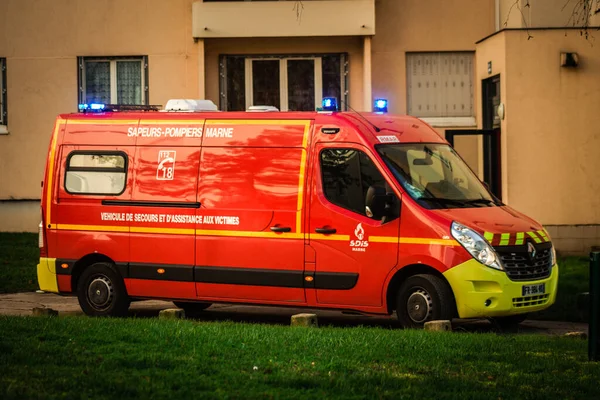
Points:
[(435, 176)]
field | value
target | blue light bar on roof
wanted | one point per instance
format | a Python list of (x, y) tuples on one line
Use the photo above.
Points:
[(380, 105), (330, 104), (98, 107)]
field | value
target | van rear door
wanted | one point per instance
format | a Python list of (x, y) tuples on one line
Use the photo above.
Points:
[(250, 243), (164, 207)]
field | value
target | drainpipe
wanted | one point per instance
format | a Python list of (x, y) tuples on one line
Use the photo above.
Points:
[(201, 71), (367, 86), (497, 15)]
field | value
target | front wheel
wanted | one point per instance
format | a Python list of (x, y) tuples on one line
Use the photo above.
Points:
[(424, 298), (101, 291)]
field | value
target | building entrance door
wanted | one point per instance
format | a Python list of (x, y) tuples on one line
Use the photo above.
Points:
[(492, 162), (290, 84)]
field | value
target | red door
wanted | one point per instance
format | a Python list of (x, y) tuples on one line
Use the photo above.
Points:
[(163, 210), (89, 177), (354, 253), (250, 243)]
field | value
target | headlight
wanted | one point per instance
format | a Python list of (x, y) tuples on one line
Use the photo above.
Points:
[(552, 256), (476, 245)]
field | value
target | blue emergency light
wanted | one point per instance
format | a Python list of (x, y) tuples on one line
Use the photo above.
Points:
[(98, 107), (330, 104), (380, 105)]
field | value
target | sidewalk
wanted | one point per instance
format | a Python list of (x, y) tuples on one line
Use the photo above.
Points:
[(23, 303)]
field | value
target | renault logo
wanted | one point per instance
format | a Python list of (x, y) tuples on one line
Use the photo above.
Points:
[(531, 250)]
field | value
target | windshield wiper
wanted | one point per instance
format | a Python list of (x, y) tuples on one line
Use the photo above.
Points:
[(443, 200), (479, 201), (458, 202)]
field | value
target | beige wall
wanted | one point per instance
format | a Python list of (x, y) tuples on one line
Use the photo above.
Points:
[(41, 40), (281, 19), (553, 128), (543, 14), (351, 45), (417, 25), (550, 133)]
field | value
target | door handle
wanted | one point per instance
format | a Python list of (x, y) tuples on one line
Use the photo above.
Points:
[(325, 231), (281, 229)]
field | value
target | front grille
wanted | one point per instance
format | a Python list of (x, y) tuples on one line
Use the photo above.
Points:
[(520, 267), (529, 301)]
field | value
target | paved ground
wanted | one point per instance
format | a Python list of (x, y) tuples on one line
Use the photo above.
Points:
[(22, 304)]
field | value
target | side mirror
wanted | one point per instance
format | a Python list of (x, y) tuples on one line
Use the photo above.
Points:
[(376, 203)]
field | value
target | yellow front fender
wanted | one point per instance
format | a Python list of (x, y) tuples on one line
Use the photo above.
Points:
[(481, 291)]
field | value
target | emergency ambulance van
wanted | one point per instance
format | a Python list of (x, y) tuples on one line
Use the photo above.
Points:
[(366, 212)]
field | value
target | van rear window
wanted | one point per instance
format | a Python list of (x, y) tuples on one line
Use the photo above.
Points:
[(102, 173)]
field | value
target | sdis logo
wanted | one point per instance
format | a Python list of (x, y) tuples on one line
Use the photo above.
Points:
[(360, 244)]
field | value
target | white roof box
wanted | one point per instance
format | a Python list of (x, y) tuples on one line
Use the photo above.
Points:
[(190, 105), (262, 109)]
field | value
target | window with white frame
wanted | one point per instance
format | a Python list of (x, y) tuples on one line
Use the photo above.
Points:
[(440, 84), (113, 80), (3, 96)]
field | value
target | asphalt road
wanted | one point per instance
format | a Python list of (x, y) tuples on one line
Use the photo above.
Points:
[(23, 303)]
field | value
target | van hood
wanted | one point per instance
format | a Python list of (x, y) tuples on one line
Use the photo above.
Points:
[(496, 220)]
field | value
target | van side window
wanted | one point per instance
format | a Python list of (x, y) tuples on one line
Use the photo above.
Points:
[(347, 175), (96, 173)]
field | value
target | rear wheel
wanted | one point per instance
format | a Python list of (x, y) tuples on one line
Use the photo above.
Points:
[(101, 291), (423, 298), (192, 308)]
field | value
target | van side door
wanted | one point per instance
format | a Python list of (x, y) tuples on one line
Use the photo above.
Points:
[(354, 252), (250, 244)]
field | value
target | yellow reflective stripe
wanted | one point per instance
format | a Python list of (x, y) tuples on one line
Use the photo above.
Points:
[(504, 239), (441, 242), (301, 178), (543, 235), (489, 236), (320, 236), (520, 238), (383, 239), (102, 121), (273, 235), (49, 183), (258, 122), (168, 231), (96, 228), (534, 237), (171, 122)]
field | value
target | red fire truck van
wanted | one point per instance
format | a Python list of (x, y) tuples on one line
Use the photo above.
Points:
[(363, 212)]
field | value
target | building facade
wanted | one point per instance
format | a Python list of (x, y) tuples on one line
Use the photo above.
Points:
[(515, 90)]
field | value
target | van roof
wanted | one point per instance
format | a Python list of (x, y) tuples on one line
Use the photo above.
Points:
[(373, 126)]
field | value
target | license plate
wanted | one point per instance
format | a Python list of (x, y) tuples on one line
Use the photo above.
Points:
[(532, 290)]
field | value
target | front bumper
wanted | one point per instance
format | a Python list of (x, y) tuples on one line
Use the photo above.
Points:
[(46, 272), (474, 284)]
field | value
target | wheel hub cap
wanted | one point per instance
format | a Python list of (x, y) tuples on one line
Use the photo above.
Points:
[(419, 306), (100, 292)]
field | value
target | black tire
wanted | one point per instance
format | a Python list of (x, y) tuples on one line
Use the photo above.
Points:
[(510, 322), (101, 291), (422, 298), (192, 309)]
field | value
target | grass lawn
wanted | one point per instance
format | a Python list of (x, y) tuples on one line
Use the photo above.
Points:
[(19, 256), (79, 357)]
